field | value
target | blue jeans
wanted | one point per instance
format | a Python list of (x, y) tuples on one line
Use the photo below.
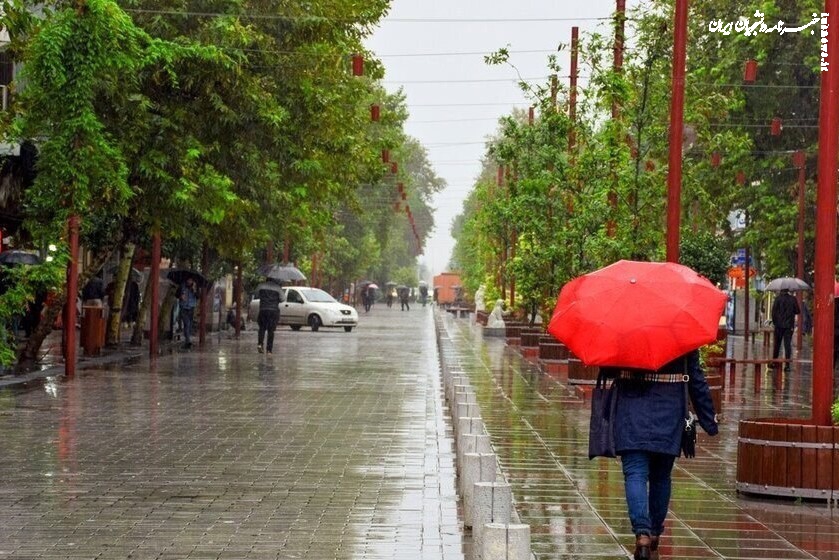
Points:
[(647, 484), (187, 316)]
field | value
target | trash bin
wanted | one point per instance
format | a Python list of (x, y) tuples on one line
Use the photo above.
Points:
[(93, 330)]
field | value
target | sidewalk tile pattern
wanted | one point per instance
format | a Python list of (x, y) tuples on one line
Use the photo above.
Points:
[(576, 508), (334, 447)]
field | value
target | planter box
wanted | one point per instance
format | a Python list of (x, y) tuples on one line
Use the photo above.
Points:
[(580, 374), (788, 457)]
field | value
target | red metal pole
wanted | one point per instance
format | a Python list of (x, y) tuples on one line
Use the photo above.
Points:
[(677, 107), (154, 278), (572, 95), (617, 65), (800, 162), (72, 295), (514, 241), (747, 279), (205, 291), (826, 225), (238, 291)]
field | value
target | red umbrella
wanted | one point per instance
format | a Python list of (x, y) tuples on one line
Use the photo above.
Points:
[(637, 314), (836, 289)]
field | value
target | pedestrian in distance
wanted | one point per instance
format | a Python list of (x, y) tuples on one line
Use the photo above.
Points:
[(390, 297), (188, 299), (784, 310), (365, 300), (650, 418), (403, 300), (270, 298), (371, 297)]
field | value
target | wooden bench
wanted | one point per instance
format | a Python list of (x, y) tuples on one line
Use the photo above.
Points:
[(757, 362)]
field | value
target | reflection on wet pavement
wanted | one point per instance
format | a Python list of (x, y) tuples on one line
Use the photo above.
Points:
[(539, 429), (335, 447)]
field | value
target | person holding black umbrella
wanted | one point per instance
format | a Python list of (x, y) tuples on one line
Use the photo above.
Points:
[(270, 297)]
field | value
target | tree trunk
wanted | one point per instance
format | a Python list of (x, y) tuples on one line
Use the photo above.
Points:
[(120, 282), (33, 345), (140, 325)]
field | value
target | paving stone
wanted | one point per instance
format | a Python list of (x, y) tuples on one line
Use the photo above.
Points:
[(336, 446)]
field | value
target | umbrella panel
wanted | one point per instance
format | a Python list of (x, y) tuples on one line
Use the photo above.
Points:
[(643, 319)]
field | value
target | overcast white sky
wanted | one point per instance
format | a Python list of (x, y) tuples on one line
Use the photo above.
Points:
[(454, 134)]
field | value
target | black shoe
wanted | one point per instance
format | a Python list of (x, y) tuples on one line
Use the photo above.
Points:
[(654, 548), (642, 547), (259, 348)]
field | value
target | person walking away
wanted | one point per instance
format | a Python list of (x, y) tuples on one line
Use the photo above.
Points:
[(649, 422), (365, 302), (371, 297), (132, 304), (188, 298), (269, 315), (403, 299), (390, 295), (784, 310)]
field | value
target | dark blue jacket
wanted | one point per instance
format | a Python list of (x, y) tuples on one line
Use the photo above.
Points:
[(650, 416)]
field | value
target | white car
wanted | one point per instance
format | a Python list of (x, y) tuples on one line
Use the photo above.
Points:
[(312, 307)]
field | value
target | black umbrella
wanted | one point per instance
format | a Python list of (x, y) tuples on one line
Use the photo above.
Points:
[(19, 257), (270, 286), (135, 274), (179, 276), (282, 272)]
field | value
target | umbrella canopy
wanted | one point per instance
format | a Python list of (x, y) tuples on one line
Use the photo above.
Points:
[(372, 286), (270, 286), (836, 289), (423, 283), (390, 284), (637, 314), (19, 257), (786, 283), (282, 272), (135, 274), (179, 276)]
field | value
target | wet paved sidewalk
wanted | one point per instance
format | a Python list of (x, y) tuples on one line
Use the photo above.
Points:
[(335, 446), (576, 508)]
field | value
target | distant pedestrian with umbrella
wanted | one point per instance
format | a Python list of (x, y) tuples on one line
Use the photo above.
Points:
[(642, 323), (784, 309), (270, 297)]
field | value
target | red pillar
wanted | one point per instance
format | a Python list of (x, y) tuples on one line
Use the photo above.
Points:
[(239, 290), (154, 278), (826, 226), (72, 294), (572, 94), (512, 277), (677, 107), (617, 65), (202, 314), (800, 161), (746, 306)]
